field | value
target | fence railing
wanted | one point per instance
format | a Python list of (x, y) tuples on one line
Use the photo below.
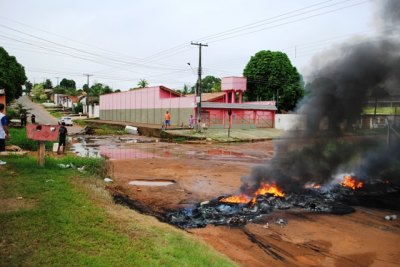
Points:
[(261, 121)]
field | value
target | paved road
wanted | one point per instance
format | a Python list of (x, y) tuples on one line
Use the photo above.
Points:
[(42, 115)]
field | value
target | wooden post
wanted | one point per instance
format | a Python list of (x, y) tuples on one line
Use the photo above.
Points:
[(41, 153), (230, 122)]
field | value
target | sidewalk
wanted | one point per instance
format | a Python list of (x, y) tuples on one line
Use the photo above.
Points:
[(216, 135), (236, 135)]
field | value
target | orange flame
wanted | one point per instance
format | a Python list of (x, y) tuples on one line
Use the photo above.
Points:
[(263, 190), (269, 189), (242, 198), (350, 182)]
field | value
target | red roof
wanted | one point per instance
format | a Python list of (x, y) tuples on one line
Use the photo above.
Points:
[(209, 97)]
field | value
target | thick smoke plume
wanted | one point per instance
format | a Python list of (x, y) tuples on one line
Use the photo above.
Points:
[(342, 81)]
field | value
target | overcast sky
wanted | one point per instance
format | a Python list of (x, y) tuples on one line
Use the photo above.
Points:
[(120, 42)]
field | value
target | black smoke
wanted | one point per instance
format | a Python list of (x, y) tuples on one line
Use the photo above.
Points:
[(343, 79)]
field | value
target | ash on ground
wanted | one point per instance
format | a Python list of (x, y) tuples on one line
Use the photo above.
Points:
[(337, 201)]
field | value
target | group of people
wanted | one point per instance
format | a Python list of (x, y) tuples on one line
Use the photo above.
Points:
[(5, 134), (167, 121), (23, 117)]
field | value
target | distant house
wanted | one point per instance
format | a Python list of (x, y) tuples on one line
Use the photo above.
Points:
[(218, 110), (66, 101), (376, 117), (92, 109)]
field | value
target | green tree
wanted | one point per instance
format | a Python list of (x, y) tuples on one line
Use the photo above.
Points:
[(12, 75), (28, 86), (59, 90), (38, 92), (270, 75), (185, 89), (210, 84), (98, 89), (78, 107), (68, 84), (142, 83), (48, 84)]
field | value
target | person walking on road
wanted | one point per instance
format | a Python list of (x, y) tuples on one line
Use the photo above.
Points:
[(33, 118), (4, 134)]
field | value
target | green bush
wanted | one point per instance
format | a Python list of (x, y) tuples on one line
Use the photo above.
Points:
[(78, 108), (12, 114), (107, 130)]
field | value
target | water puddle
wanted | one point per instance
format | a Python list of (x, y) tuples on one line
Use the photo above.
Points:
[(139, 147), (113, 147), (151, 182)]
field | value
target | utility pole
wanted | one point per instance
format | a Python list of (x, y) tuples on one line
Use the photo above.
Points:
[(57, 81), (87, 94), (198, 87)]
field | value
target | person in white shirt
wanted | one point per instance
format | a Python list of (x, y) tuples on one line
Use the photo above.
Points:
[(4, 134)]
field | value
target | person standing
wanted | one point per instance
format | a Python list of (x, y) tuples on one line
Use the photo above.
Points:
[(33, 118), (167, 119), (4, 134), (23, 118), (62, 137), (191, 122)]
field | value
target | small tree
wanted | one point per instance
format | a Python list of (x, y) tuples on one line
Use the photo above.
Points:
[(47, 84), (210, 84), (38, 92), (142, 83), (78, 107), (28, 87), (185, 89)]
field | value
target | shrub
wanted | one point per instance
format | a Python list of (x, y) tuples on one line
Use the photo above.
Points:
[(12, 114)]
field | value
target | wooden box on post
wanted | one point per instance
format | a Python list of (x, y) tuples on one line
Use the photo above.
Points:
[(42, 133)]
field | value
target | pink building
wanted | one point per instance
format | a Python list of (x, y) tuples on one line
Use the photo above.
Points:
[(148, 105)]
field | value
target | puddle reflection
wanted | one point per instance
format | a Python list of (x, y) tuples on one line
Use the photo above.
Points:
[(121, 148)]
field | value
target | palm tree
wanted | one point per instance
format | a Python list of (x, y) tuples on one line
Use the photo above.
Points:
[(142, 83)]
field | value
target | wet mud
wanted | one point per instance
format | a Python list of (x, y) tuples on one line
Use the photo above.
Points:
[(203, 172)]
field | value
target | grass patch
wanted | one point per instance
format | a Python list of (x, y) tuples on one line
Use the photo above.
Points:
[(81, 122), (67, 219), (105, 129), (18, 138), (56, 113), (381, 110)]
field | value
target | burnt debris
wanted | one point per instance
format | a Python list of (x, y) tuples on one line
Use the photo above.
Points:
[(338, 200)]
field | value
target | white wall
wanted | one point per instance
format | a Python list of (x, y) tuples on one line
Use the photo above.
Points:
[(288, 122), (94, 111)]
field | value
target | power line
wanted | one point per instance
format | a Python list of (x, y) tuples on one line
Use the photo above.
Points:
[(286, 23), (272, 19), (111, 61), (254, 24)]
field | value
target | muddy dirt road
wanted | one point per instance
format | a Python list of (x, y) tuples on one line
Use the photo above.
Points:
[(198, 173)]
